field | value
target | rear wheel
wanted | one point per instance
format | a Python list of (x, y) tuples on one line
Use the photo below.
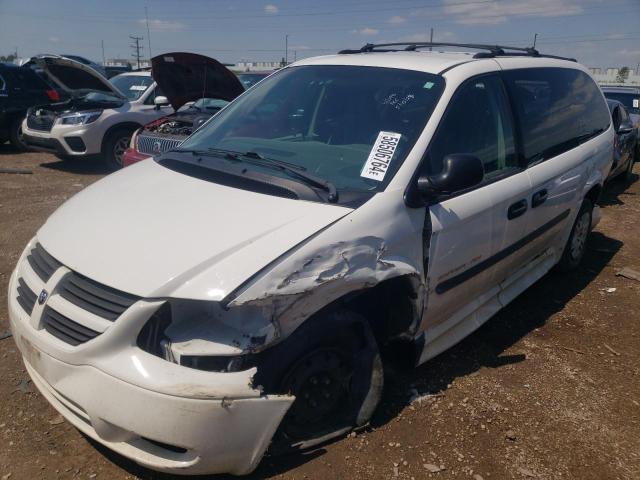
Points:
[(628, 174), (334, 370), (114, 147), (577, 244), (16, 137)]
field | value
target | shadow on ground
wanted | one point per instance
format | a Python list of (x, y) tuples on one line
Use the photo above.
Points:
[(616, 189), (81, 166)]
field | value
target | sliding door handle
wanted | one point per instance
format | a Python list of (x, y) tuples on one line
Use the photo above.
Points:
[(517, 209), (539, 198)]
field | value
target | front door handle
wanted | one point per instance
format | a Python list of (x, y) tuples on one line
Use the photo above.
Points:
[(539, 198), (517, 209)]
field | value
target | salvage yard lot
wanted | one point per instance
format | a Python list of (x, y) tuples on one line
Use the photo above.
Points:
[(549, 388)]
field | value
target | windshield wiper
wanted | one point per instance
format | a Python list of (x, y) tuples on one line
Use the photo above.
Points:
[(291, 169), (295, 170)]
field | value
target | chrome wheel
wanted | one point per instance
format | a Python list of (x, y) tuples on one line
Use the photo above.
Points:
[(580, 234), (119, 148)]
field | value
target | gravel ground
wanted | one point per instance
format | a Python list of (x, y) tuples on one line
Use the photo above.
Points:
[(547, 389)]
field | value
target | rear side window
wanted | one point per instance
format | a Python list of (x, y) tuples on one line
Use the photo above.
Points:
[(557, 109), (27, 79)]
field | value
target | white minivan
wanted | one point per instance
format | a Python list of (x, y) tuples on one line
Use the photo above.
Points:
[(243, 290)]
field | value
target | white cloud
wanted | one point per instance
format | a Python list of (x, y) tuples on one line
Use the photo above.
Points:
[(157, 25), (366, 31), (625, 52), (299, 47), (397, 19), (269, 8), (495, 12), (54, 39)]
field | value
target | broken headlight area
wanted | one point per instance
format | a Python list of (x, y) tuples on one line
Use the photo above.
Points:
[(204, 336)]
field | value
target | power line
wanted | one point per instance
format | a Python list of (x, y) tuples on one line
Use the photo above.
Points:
[(137, 48)]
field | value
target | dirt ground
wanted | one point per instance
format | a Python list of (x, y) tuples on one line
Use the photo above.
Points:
[(547, 389)]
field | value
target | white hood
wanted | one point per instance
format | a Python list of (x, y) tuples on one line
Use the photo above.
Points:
[(153, 232)]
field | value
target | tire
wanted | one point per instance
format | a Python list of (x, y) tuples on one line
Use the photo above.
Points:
[(333, 368), (628, 174), (114, 146), (577, 243), (15, 136)]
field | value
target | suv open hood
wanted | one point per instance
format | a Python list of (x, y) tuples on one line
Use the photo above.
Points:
[(186, 77), (73, 77), (156, 233)]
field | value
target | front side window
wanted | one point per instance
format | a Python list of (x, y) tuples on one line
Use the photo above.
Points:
[(351, 126), (557, 109), (132, 86), (477, 122)]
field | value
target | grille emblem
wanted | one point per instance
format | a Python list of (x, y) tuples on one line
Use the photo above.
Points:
[(43, 296), (156, 147)]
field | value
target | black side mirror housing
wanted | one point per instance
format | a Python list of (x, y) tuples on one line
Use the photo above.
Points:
[(460, 171), (624, 129)]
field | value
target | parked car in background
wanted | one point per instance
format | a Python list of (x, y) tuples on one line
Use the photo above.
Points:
[(249, 79), (112, 71), (20, 88), (184, 78), (100, 115), (236, 293), (625, 144), (629, 97)]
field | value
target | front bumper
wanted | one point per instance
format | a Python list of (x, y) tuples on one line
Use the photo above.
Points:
[(160, 415), (66, 140)]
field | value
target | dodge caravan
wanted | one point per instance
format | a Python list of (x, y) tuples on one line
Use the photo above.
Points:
[(239, 293)]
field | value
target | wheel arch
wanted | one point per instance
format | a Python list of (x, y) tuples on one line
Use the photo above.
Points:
[(132, 126)]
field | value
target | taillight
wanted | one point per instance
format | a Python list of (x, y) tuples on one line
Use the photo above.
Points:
[(53, 95)]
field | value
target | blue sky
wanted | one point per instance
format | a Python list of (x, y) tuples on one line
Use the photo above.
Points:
[(598, 32)]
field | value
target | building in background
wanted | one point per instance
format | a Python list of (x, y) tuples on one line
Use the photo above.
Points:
[(609, 76)]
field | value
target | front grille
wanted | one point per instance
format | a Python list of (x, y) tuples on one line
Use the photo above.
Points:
[(66, 329), (42, 263), (106, 302), (156, 145), (42, 123), (26, 297)]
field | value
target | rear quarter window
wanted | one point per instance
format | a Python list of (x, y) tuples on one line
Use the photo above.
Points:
[(556, 108)]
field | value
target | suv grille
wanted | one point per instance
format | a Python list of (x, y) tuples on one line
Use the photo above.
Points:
[(106, 302), (66, 329), (78, 309), (156, 145), (40, 122)]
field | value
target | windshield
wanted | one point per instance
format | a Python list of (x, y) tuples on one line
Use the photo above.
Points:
[(351, 126), (209, 103), (132, 86), (629, 100), (248, 80)]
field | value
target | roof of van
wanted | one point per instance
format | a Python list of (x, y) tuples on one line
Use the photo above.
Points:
[(425, 61)]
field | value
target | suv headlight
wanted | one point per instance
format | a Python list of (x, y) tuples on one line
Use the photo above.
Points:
[(82, 118), (204, 336)]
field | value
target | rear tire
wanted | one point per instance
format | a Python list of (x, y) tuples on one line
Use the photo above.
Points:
[(114, 146), (628, 174), (576, 246), (15, 136), (333, 368)]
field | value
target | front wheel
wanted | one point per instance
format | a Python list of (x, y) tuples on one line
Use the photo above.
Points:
[(628, 174), (333, 368), (114, 147), (16, 137), (576, 246)]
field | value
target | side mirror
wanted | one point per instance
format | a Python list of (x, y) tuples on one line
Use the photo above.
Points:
[(160, 101), (460, 171)]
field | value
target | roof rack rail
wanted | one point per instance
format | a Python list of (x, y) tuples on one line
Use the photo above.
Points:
[(490, 50)]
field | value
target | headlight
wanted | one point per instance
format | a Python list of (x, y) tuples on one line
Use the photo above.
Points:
[(204, 336), (82, 118)]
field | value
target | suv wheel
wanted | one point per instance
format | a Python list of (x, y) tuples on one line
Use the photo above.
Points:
[(114, 147), (628, 174), (333, 368), (577, 244), (16, 137)]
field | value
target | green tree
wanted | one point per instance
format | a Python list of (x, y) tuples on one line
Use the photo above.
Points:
[(623, 74)]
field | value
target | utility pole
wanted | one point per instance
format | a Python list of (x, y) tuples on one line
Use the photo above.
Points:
[(146, 15), (136, 48), (286, 50), (535, 39), (103, 60), (431, 39)]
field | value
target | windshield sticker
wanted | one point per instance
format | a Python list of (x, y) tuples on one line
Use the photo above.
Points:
[(428, 85), (168, 59), (375, 168), (635, 102), (137, 87)]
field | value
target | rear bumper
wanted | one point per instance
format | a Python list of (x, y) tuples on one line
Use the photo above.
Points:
[(163, 416)]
